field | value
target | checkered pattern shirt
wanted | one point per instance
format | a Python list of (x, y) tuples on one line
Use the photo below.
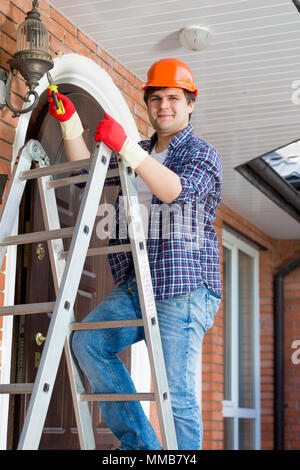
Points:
[(181, 259)]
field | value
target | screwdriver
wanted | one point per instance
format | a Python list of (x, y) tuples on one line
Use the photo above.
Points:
[(54, 90)]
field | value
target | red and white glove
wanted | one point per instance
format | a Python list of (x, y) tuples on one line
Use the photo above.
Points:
[(112, 134), (70, 121)]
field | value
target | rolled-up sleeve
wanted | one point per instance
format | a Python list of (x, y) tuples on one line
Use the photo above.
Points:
[(199, 176)]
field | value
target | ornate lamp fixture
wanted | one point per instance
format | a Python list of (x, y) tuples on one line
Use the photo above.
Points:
[(32, 60)]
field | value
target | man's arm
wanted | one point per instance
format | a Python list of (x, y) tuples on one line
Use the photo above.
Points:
[(161, 181), (76, 149)]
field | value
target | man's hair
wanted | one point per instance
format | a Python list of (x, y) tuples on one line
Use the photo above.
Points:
[(189, 95)]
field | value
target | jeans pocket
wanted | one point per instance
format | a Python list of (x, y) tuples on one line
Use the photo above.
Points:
[(212, 306)]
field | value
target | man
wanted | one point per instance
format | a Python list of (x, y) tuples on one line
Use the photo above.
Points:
[(174, 169)]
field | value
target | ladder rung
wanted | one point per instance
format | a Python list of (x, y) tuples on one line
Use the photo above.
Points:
[(16, 389), (77, 179), (101, 250), (56, 169), (67, 181), (98, 325), (25, 309), (118, 397), (37, 236), (64, 168), (112, 173)]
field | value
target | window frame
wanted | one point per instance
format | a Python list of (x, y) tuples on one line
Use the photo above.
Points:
[(230, 407)]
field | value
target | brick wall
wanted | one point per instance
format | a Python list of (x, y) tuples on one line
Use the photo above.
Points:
[(66, 38)]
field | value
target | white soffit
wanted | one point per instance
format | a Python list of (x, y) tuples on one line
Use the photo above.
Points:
[(245, 77)]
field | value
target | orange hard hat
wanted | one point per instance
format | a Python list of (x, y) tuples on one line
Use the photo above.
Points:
[(171, 73)]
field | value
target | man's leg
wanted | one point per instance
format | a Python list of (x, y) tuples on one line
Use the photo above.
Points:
[(183, 321), (96, 352)]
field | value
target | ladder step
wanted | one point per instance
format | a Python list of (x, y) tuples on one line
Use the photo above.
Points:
[(101, 250), (25, 309), (56, 169), (67, 181), (118, 397), (98, 325), (38, 236), (77, 179), (16, 389)]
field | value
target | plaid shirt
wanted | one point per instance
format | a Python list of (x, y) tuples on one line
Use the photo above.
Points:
[(182, 257)]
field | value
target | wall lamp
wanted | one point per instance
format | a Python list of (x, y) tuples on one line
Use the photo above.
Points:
[(32, 60)]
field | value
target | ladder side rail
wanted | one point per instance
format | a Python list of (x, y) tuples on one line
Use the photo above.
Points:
[(148, 306), (12, 197), (62, 314), (55, 247)]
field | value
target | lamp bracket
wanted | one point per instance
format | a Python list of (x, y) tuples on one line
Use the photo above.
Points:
[(17, 112)]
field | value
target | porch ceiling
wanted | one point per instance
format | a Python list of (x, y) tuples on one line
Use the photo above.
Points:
[(244, 76)]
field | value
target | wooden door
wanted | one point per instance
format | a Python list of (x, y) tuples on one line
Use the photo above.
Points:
[(96, 283)]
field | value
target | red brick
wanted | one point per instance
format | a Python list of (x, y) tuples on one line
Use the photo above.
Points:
[(124, 72), (53, 27), (9, 27), (8, 44), (7, 133), (10, 11), (2, 281), (23, 5), (105, 57), (57, 47), (134, 93), (86, 41), (43, 5), (141, 112), (75, 45), (3, 266)]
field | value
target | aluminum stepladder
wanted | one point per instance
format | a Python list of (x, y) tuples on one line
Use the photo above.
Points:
[(66, 269)]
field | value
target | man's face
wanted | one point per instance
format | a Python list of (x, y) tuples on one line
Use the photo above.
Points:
[(169, 111)]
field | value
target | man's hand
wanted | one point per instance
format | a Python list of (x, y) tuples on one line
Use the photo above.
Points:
[(112, 133), (68, 105), (70, 121)]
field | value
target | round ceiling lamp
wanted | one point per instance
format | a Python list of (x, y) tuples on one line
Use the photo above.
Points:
[(194, 37)]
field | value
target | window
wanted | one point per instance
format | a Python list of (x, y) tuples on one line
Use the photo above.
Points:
[(241, 405)]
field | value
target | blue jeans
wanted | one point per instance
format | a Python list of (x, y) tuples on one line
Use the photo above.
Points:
[(183, 321)]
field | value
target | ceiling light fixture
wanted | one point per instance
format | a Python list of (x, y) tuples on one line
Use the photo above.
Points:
[(194, 37), (32, 60)]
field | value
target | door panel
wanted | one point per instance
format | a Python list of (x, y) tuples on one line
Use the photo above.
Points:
[(96, 282)]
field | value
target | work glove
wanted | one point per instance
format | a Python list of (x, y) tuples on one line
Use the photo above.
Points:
[(70, 121), (112, 134)]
